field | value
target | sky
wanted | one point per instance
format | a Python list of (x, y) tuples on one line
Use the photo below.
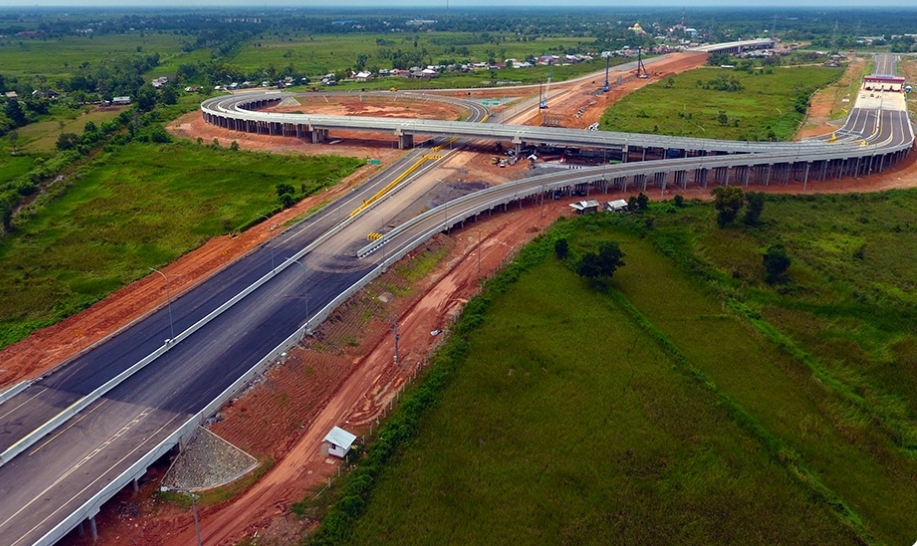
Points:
[(458, 4)]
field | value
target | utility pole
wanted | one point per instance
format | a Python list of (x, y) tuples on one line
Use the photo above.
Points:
[(169, 302), (394, 329), (480, 242)]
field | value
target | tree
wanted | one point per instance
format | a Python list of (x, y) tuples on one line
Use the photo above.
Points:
[(6, 216), (90, 127), (146, 98), (287, 200), (755, 201), (14, 138), (14, 111), (561, 248), (67, 141), (160, 136), (234, 146), (776, 262), (168, 95), (679, 200), (601, 264), (643, 201), (728, 202)]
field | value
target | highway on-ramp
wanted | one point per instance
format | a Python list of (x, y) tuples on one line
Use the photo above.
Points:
[(62, 470)]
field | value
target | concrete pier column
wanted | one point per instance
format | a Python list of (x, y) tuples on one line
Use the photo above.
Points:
[(405, 141), (80, 530), (639, 180), (93, 531), (700, 177), (805, 177), (625, 151)]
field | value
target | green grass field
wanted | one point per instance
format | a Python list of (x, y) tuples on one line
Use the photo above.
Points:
[(137, 207), (62, 57), (504, 76), (801, 392), (568, 424), (763, 110), (41, 137), (320, 54)]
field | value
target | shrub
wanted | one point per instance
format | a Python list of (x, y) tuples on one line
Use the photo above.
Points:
[(728, 202), (776, 263), (561, 249)]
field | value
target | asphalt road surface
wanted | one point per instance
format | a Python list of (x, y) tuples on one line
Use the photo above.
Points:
[(63, 470)]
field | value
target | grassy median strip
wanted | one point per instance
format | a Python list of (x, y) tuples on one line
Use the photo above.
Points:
[(136, 207), (767, 104)]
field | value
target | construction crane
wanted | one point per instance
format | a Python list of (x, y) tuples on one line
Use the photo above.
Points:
[(543, 103)]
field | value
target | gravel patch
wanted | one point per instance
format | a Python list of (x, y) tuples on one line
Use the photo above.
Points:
[(207, 461)]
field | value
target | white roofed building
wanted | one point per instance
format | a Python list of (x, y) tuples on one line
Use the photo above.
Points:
[(338, 442)]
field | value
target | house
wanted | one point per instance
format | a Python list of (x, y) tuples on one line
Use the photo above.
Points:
[(12, 95), (46, 94), (428, 73), (363, 76), (585, 207), (618, 205), (120, 101), (338, 442)]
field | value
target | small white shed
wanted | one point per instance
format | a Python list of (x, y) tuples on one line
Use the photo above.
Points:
[(339, 442), (618, 205), (585, 207)]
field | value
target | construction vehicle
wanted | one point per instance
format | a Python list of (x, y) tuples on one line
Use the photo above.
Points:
[(641, 69), (494, 160), (393, 89)]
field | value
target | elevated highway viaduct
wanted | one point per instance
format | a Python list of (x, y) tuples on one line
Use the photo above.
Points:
[(65, 475)]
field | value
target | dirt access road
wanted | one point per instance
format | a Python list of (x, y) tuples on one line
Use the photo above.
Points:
[(346, 374)]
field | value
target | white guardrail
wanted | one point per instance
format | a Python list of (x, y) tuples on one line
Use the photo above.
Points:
[(84, 402), (14, 390), (91, 507), (528, 187), (525, 188)]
